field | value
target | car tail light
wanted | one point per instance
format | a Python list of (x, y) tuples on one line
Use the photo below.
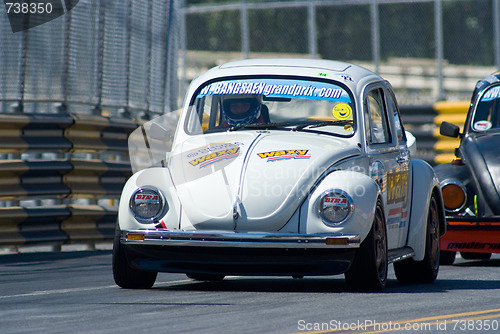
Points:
[(454, 195)]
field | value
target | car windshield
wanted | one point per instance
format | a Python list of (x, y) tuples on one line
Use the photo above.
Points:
[(272, 103), (487, 113)]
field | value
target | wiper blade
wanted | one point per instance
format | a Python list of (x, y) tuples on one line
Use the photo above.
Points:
[(302, 125), (260, 126), (317, 124)]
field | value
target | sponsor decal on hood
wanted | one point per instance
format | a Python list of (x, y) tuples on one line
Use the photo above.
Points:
[(284, 155)]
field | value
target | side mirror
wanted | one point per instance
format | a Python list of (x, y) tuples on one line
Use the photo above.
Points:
[(411, 142), (449, 130)]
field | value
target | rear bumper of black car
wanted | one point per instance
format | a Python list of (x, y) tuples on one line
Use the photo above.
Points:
[(472, 234)]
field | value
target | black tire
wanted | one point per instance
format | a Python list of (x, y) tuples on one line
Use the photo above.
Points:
[(475, 256), (206, 277), (124, 275), (447, 258), (368, 272), (425, 271)]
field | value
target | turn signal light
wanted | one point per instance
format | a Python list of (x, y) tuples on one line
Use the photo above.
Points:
[(336, 241), (454, 196), (135, 237)]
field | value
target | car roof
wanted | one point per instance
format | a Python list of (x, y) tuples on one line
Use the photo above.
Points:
[(481, 85), (290, 63), (492, 79)]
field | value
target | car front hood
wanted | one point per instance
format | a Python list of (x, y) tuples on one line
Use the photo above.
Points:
[(251, 181), (483, 158)]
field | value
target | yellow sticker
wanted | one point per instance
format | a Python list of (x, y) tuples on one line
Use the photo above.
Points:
[(342, 111), (348, 127)]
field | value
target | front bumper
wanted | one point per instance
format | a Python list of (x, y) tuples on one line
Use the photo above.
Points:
[(232, 253), (472, 234), (238, 239)]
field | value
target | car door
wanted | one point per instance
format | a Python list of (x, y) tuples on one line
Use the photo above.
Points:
[(388, 162), (403, 164)]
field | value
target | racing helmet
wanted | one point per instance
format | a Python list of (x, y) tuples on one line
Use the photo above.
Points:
[(241, 109)]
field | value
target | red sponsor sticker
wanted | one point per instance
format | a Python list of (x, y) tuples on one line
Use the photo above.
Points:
[(146, 198), (335, 201)]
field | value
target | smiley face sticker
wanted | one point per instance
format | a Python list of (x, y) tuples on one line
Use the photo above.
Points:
[(342, 111)]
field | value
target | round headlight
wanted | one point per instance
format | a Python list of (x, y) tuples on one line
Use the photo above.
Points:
[(148, 204), (335, 207), (454, 195)]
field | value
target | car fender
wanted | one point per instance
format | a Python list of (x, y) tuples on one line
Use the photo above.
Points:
[(424, 184), (461, 173), (160, 179), (364, 192), (457, 172)]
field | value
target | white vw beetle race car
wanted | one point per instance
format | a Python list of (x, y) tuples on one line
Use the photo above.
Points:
[(288, 167)]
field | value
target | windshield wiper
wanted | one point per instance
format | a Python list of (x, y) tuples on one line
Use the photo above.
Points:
[(317, 124), (260, 126), (302, 125)]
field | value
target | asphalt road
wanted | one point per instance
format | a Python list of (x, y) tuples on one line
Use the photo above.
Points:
[(74, 292)]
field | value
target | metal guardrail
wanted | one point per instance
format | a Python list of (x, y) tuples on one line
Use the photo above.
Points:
[(66, 133), (424, 121), (419, 120), (55, 225), (52, 163), (453, 112), (61, 178)]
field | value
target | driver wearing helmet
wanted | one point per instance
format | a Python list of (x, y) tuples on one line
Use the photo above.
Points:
[(241, 110)]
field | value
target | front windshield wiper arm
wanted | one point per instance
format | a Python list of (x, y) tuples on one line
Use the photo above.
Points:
[(260, 126), (317, 124), (302, 125)]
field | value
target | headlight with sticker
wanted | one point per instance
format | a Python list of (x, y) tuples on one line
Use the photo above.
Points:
[(148, 204), (335, 207)]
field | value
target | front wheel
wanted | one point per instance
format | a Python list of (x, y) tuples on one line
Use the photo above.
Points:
[(425, 271), (124, 275), (369, 268)]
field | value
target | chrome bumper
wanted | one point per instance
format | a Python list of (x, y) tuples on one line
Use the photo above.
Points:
[(237, 239)]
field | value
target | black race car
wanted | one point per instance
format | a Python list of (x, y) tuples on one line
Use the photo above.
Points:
[(471, 182)]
